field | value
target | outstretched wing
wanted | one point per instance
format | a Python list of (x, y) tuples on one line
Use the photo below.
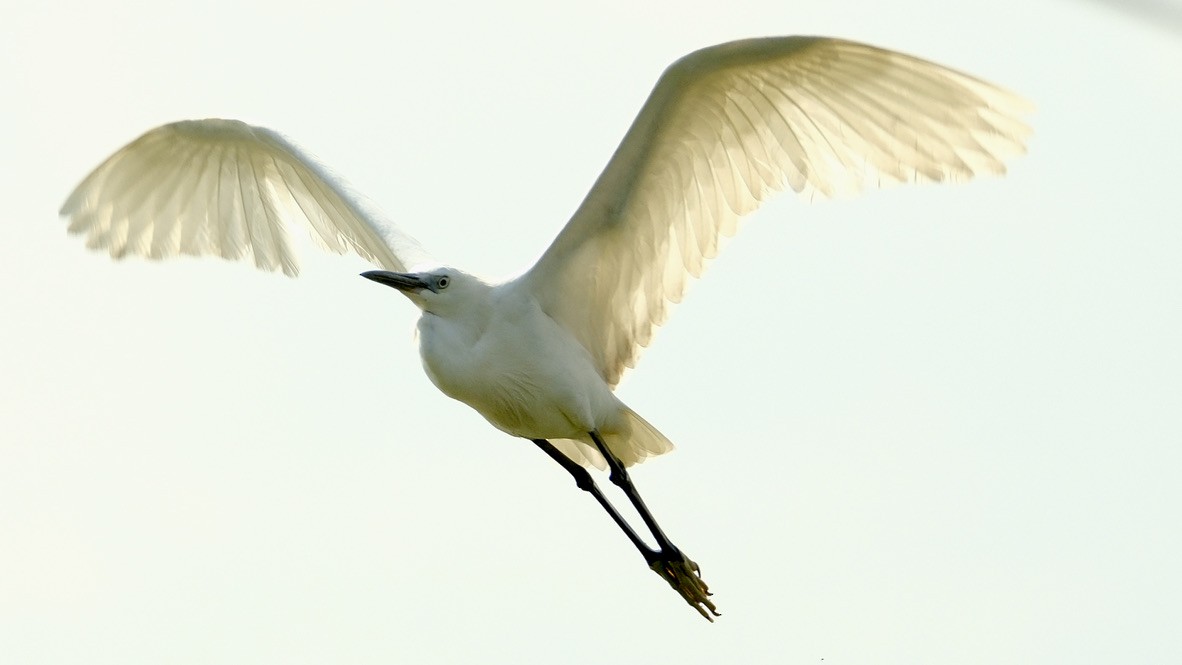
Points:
[(726, 127), (229, 189)]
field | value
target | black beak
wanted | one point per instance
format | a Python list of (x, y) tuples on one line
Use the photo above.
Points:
[(405, 282)]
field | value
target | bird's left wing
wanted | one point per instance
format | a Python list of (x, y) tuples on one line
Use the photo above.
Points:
[(229, 189), (729, 125)]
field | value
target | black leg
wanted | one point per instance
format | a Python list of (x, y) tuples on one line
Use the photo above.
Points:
[(586, 483), (619, 477), (667, 561)]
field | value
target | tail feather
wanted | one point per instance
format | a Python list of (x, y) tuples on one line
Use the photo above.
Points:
[(636, 442)]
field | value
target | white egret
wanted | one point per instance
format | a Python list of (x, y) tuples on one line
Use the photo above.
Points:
[(539, 355)]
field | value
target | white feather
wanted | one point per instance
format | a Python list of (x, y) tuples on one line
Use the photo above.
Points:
[(228, 189), (726, 127)]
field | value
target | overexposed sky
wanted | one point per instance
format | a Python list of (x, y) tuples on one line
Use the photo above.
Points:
[(929, 425)]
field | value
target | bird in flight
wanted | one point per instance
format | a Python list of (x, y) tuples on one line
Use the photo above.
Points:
[(539, 355)]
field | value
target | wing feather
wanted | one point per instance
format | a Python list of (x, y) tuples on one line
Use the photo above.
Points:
[(726, 127), (228, 189)]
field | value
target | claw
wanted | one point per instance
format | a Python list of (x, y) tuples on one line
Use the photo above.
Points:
[(686, 579)]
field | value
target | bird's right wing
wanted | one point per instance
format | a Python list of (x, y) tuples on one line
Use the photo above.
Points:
[(729, 125), (229, 189)]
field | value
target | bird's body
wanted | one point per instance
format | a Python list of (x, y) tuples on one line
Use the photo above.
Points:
[(539, 356), (493, 348)]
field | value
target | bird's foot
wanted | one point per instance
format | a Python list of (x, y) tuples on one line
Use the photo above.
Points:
[(686, 579)]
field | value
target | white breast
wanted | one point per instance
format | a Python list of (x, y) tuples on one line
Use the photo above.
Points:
[(519, 369)]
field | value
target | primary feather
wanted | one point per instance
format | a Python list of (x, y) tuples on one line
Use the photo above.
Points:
[(729, 125), (225, 188)]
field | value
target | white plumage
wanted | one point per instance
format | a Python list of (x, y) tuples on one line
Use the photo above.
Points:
[(539, 356), (728, 125), (225, 188)]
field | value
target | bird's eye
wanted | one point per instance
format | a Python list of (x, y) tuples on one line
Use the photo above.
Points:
[(443, 282)]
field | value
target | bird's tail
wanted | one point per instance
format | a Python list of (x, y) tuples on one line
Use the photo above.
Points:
[(636, 442)]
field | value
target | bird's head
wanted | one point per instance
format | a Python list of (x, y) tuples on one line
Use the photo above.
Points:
[(442, 291)]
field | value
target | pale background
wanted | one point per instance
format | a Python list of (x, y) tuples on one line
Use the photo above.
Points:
[(931, 425)]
